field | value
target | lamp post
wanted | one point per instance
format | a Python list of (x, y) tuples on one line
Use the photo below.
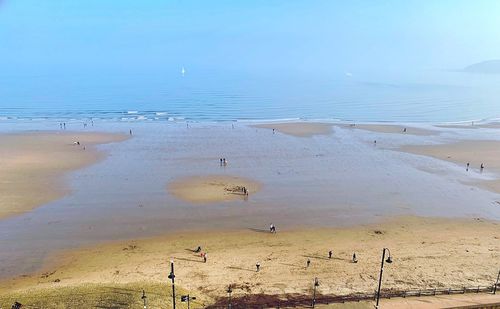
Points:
[(388, 260), (144, 299), (316, 284), (496, 284), (229, 291), (172, 277)]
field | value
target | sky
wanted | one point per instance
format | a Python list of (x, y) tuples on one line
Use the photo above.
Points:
[(249, 36), (57, 50)]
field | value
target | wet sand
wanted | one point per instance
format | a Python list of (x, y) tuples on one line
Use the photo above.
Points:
[(381, 128), (210, 189), (463, 152), (299, 129), (426, 253), (33, 165)]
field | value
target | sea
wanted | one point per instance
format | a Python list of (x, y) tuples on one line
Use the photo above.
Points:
[(208, 95)]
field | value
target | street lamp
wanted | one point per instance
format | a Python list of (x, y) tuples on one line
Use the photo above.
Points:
[(229, 291), (316, 284), (171, 276), (144, 299), (388, 260)]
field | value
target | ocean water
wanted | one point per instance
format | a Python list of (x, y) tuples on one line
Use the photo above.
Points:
[(208, 95)]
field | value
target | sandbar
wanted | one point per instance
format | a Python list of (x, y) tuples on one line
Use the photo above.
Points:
[(299, 129), (387, 128), (473, 152), (33, 164), (214, 188)]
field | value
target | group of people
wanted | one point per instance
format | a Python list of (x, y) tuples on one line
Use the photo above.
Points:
[(244, 190), (468, 165), (202, 254), (223, 161)]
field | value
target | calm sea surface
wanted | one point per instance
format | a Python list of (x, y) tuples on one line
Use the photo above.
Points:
[(429, 96)]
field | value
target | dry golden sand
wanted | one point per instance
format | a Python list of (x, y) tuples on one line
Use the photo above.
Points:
[(32, 166), (209, 189), (382, 128), (299, 129), (427, 253), (474, 152)]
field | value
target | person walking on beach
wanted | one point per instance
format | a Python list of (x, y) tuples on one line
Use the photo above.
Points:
[(220, 161), (272, 228), (308, 263), (198, 250), (354, 259), (204, 255), (257, 266), (482, 166), (273, 131), (404, 130), (467, 168), (330, 253), (130, 131)]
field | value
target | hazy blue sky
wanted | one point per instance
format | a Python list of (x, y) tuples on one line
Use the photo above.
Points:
[(66, 36)]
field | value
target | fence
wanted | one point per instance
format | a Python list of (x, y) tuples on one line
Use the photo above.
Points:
[(291, 301)]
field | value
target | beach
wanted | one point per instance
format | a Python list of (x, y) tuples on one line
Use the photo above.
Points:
[(327, 186), (427, 253)]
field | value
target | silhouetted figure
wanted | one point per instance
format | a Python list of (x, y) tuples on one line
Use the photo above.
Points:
[(354, 259), (204, 255), (404, 130), (272, 228), (308, 263), (482, 166), (17, 305), (375, 142), (330, 253), (467, 168), (198, 250), (257, 266), (220, 161), (130, 131), (273, 131)]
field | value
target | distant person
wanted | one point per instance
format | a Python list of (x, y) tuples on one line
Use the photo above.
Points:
[(198, 250), (467, 168), (130, 131), (404, 130), (330, 253), (354, 258), (204, 255), (60, 125), (224, 161), (220, 161), (375, 142), (272, 228), (17, 305), (257, 266), (308, 263), (482, 166), (64, 125), (274, 131)]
